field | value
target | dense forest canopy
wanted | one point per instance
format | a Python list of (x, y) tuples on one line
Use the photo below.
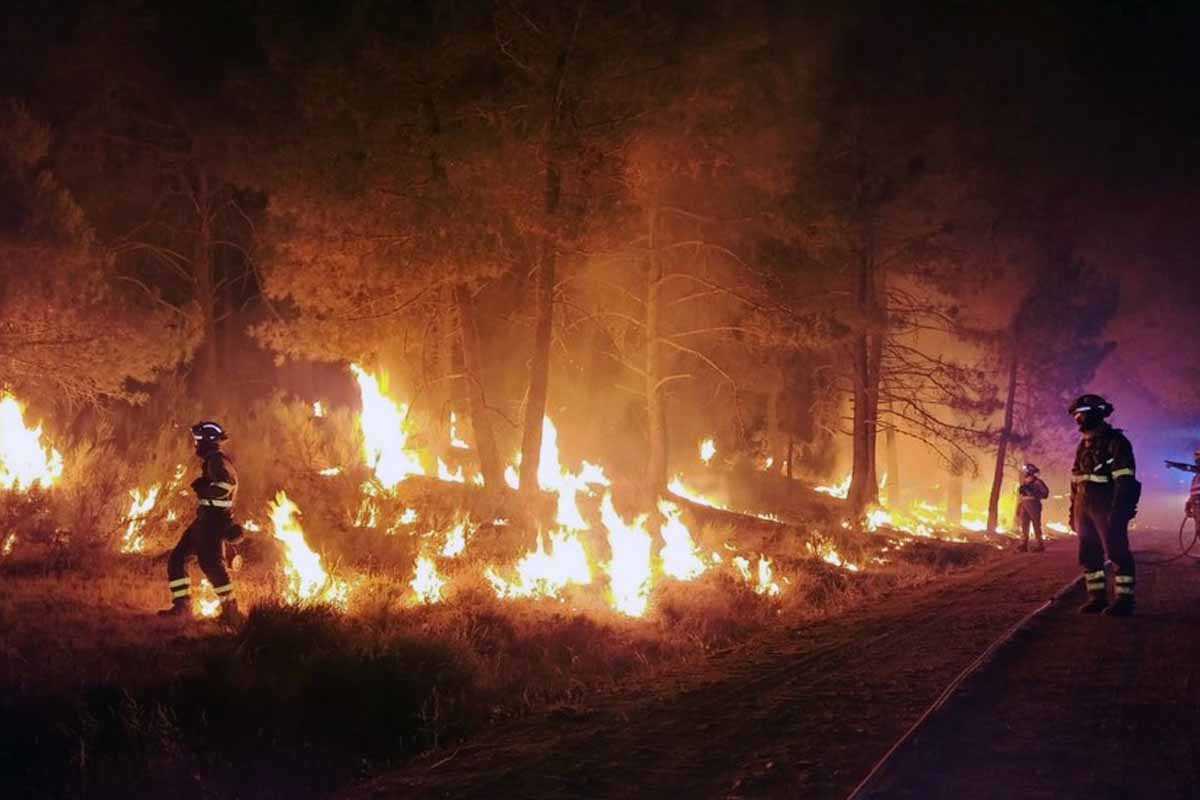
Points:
[(822, 235)]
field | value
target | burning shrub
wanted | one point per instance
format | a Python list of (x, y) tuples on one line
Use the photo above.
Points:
[(26, 518)]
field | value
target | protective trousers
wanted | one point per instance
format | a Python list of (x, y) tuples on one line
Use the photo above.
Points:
[(1029, 514), (204, 539), (1103, 532)]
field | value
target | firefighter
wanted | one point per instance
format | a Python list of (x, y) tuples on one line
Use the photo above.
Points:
[(1030, 494), (205, 538), (1192, 507), (1104, 497)]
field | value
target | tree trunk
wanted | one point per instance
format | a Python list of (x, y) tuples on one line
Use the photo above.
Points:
[(656, 463), (791, 453), (205, 375), (954, 493), (1002, 450), (773, 393), (858, 494), (481, 423), (867, 356), (539, 365), (893, 469)]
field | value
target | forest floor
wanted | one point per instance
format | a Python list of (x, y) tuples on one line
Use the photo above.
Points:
[(803, 714), (479, 698), (1073, 706)]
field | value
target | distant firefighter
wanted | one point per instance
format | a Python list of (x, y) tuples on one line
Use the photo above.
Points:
[(205, 538), (1104, 498), (1030, 494)]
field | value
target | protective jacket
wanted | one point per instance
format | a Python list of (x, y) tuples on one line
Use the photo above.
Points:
[(1104, 497), (1032, 490), (1030, 494), (1193, 503), (217, 485)]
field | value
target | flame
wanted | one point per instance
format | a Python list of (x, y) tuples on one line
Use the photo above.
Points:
[(629, 570), (877, 518), (545, 573), (307, 580), (678, 487), (329, 472), (841, 490), (408, 517), (318, 409), (385, 433), (708, 449), (766, 585), (426, 582), (141, 505), (454, 440), (206, 604), (445, 474), (680, 558), (829, 554), (553, 478), (1058, 527), (10, 542), (23, 460), (368, 511), (511, 477), (456, 540)]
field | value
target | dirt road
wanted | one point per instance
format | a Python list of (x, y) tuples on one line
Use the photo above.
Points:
[(805, 714), (1081, 707)]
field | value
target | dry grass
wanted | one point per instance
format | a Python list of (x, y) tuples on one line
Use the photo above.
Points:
[(100, 696)]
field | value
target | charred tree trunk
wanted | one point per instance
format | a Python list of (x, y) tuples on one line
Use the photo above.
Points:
[(539, 365), (1002, 449), (791, 453), (481, 423), (656, 462)]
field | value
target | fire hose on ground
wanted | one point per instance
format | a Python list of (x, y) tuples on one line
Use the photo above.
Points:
[(1184, 550)]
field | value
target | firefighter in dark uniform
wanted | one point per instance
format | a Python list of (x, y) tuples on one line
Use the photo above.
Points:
[(1104, 496), (1030, 494), (1192, 507), (205, 538)]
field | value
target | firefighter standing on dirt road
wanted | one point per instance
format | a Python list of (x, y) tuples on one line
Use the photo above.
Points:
[(205, 538), (1031, 493), (1191, 508), (1104, 497)]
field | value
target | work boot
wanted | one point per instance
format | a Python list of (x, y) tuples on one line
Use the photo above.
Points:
[(181, 609), (1097, 604), (1040, 547), (1122, 607), (231, 617)]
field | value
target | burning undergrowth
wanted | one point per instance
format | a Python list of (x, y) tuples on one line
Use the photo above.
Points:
[(395, 603), (309, 695)]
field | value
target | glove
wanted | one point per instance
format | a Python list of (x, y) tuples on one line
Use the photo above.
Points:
[(1125, 498), (235, 533)]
